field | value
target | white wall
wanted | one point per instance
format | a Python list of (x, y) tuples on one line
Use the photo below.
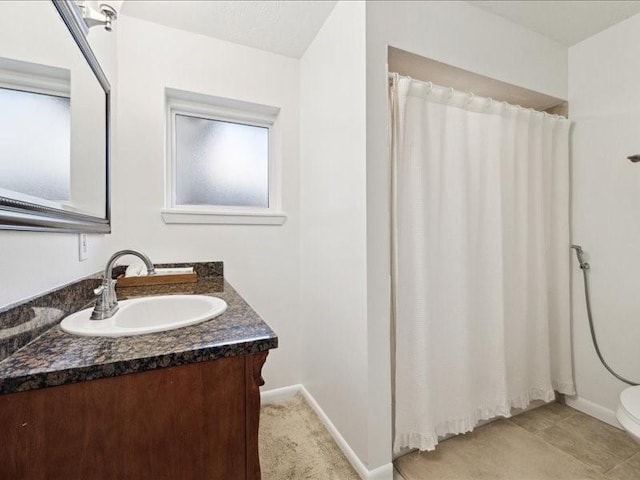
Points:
[(322, 279), (32, 263), (458, 34), (604, 104), (333, 222), (260, 261)]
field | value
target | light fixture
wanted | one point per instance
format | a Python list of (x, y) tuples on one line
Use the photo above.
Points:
[(100, 13)]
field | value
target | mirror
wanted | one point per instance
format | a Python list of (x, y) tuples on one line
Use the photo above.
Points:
[(54, 122)]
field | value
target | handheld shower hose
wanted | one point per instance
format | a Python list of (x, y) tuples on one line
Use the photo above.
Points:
[(585, 266)]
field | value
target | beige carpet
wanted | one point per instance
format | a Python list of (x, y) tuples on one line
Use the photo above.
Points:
[(295, 445)]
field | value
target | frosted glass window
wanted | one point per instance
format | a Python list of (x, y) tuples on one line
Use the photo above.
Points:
[(35, 144), (221, 163)]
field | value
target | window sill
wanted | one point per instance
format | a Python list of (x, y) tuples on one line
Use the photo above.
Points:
[(222, 218)]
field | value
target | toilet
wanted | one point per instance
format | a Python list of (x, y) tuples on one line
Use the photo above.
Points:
[(628, 413)]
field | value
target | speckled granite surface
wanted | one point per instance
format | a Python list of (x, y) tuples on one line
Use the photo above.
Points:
[(20, 324), (58, 358)]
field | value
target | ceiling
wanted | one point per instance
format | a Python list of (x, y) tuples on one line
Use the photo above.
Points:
[(285, 27), (567, 22), (288, 27)]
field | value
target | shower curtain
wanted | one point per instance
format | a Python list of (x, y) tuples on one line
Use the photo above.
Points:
[(480, 260)]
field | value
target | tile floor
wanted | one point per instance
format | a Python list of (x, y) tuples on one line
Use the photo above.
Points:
[(553, 442)]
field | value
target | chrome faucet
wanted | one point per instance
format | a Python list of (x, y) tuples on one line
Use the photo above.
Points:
[(106, 300)]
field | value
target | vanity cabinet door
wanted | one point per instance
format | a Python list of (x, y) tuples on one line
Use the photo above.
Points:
[(197, 421)]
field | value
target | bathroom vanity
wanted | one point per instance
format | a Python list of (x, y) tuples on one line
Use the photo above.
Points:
[(179, 404)]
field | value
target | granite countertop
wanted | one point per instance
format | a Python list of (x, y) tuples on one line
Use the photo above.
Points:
[(58, 358)]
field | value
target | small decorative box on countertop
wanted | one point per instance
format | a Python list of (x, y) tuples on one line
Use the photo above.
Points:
[(161, 277)]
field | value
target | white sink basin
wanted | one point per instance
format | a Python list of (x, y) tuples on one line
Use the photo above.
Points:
[(146, 315)]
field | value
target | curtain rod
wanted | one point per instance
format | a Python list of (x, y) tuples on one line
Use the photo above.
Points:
[(390, 76)]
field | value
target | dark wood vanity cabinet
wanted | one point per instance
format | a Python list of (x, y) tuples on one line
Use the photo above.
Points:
[(195, 421)]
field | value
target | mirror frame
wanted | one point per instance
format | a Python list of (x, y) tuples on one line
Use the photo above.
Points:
[(19, 215)]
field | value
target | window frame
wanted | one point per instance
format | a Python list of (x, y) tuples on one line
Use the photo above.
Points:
[(224, 110)]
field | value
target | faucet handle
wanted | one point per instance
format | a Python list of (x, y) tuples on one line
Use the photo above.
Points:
[(106, 302)]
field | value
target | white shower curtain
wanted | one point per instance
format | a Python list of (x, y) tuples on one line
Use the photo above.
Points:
[(480, 260)]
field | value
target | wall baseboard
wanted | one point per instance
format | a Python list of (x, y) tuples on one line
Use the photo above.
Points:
[(278, 395), (593, 409)]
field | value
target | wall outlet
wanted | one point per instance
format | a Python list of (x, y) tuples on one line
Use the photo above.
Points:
[(83, 247)]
